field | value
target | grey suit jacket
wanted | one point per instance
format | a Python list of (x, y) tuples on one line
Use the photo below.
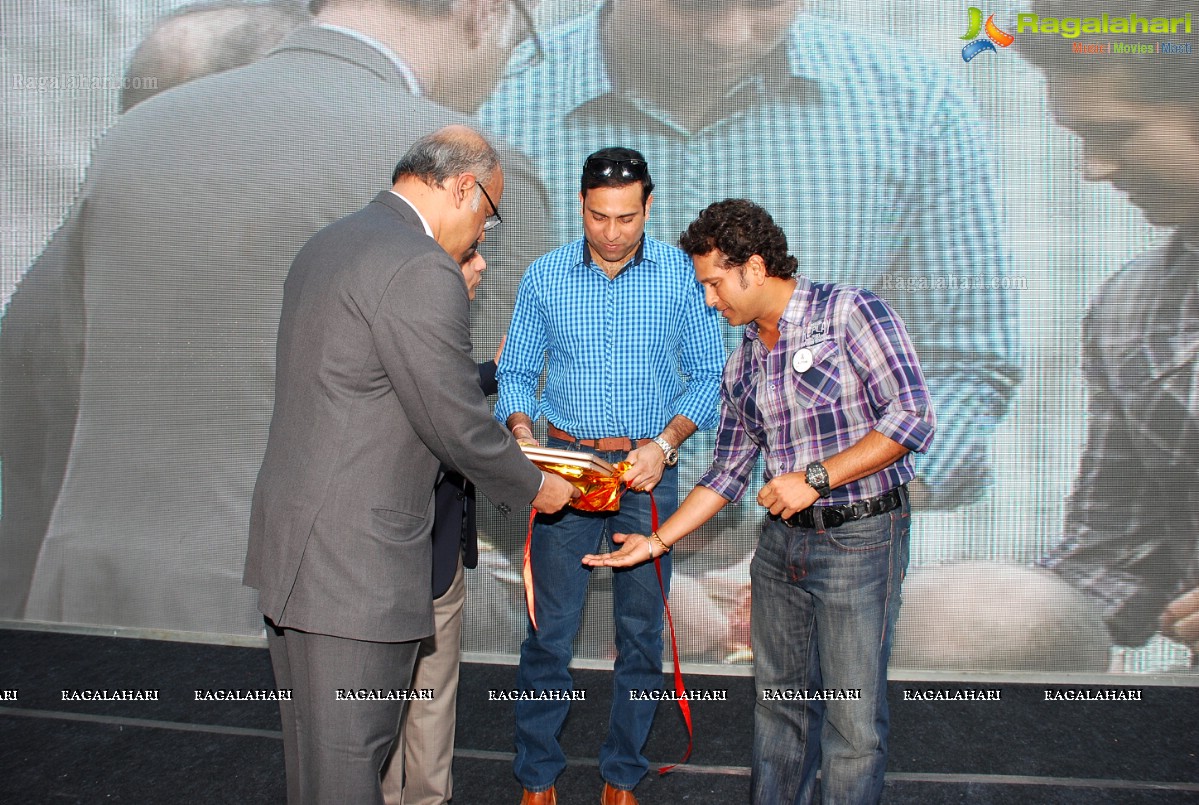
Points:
[(374, 387), (193, 208)]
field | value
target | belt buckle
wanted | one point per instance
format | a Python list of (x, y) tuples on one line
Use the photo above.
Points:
[(794, 521), (833, 517), (616, 444)]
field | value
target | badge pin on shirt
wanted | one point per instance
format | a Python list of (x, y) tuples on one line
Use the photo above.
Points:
[(802, 361)]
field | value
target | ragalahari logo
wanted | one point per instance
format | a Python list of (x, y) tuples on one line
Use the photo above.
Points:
[(995, 36)]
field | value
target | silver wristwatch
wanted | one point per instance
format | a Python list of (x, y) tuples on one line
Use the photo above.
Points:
[(668, 450)]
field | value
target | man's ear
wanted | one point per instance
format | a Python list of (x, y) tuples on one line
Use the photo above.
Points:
[(756, 267), (459, 187)]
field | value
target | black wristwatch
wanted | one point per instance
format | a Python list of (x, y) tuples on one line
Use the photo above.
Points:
[(817, 478)]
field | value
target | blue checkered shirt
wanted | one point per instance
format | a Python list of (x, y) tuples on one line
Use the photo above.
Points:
[(621, 356), (872, 161), (860, 374)]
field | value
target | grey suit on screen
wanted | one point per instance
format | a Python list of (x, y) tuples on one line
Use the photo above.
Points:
[(194, 206)]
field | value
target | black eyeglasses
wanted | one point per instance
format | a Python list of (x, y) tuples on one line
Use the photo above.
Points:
[(494, 219), (631, 169), (528, 53)]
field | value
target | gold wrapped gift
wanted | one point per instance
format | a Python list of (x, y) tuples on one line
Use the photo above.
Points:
[(598, 481)]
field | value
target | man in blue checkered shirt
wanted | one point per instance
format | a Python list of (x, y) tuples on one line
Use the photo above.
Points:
[(632, 360), (871, 158)]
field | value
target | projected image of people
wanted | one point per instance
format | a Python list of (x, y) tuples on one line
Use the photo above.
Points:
[(873, 161), (41, 336), (1127, 563), (194, 205), (1022, 198)]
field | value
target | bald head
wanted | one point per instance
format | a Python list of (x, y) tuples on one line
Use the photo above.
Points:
[(989, 616), (206, 38), (453, 178), (448, 152)]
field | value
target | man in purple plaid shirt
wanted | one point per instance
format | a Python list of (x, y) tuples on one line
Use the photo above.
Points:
[(827, 388)]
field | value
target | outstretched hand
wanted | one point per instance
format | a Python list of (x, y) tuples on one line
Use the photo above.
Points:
[(1180, 620), (634, 549)]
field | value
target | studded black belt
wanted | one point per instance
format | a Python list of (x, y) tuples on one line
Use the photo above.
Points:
[(833, 516)]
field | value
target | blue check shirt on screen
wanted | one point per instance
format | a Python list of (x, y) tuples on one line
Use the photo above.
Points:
[(622, 356), (872, 159)]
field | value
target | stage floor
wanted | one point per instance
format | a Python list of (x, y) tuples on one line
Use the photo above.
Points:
[(1008, 743)]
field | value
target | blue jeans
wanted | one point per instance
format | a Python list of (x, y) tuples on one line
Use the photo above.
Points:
[(825, 602), (560, 587)]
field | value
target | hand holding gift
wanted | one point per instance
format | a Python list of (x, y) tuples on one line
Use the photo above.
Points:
[(599, 483)]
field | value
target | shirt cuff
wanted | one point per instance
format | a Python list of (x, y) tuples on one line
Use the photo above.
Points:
[(908, 429)]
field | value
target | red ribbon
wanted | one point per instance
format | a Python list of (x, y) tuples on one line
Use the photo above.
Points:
[(526, 571), (679, 688)]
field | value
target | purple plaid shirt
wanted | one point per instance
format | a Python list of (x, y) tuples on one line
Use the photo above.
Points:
[(1131, 535), (843, 366)]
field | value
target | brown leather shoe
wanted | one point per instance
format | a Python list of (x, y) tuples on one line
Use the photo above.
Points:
[(546, 797), (616, 796)]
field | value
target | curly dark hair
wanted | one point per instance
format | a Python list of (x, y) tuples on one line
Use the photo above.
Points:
[(739, 229)]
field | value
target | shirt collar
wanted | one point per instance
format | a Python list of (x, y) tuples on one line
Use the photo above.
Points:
[(423, 222), (401, 66), (585, 77), (639, 256), (795, 314), (807, 44)]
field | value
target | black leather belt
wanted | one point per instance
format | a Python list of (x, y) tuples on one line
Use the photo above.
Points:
[(833, 516)]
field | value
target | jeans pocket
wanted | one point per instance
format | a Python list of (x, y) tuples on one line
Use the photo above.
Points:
[(869, 534)]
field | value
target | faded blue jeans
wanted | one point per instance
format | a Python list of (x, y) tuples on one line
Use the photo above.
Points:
[(825, 602), (560, 587)]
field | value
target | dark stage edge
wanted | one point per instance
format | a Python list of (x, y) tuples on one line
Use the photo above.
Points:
[(1020, 749)]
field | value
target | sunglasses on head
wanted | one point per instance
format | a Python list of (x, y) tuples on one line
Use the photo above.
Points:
[(619, 168)]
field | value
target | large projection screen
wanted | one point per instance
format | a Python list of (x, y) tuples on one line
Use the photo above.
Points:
[(984, 235)]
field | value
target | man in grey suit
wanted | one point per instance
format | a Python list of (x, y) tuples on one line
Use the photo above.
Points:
[(374, 387), (194, 205)]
